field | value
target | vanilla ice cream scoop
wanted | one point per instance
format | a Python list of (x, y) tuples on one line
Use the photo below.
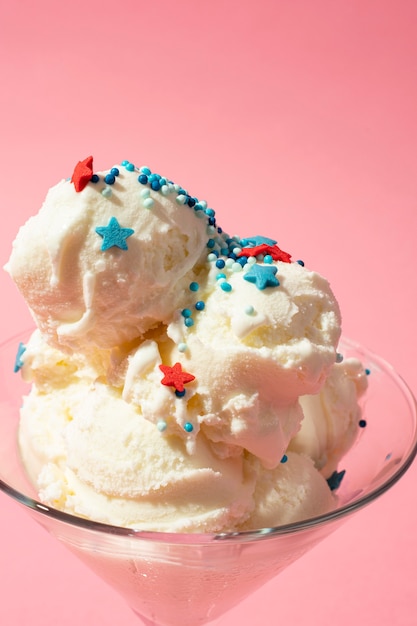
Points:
[(100, 265)]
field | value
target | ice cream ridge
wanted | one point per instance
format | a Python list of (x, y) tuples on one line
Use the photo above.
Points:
[(183, 380)]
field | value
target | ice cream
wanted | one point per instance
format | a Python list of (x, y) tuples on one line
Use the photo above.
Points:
[(182, 379)]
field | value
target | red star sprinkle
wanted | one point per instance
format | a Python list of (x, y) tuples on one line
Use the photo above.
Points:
[(82, 173), (276, 253), (175, 377)]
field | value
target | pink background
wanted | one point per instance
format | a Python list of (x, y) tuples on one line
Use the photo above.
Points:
[(295, 119)]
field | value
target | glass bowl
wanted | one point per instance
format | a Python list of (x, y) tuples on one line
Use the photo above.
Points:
[(189, 579)]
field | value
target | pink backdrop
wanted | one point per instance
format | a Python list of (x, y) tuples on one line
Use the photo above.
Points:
[(299, 115)]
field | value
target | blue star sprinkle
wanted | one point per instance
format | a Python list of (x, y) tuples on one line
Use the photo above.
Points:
[(335, 480), (262, 276), (19, 361), (257, 241), (114, 235)]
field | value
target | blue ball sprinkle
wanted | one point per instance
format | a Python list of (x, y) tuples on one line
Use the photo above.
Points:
[(188, 427), (226, 286), (130, 167), (300, 262), (114, 171), (109, 179), (124, 163), (362, 423), (186, 313), (200, 305), (94, 178), (145, 170), (367, 371), (211, 243), (156, 185), (220, 264), (194, 286), (188, 321), (142, 178), (284, 459), (339, 357), (180, 394)]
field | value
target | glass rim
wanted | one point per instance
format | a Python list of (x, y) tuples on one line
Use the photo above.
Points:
[(246, 535)]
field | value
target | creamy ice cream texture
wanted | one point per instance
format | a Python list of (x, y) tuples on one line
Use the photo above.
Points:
[(182, 379)]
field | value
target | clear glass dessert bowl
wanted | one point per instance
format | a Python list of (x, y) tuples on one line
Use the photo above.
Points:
[(190, 579)]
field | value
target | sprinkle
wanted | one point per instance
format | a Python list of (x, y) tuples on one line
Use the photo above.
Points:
[(109, 179), (258, 240), (106, 192), (148, 203), (236, 267), (156, 185), (220, 264), (367, 371), (262, 276), (145, 193), (188, 427), (194, 286), (161, 425), (143, 179), (199, 305), (114, 235), (180, 199), (18, 360), (94, 178), (188, 321), (249, 310), (362, 423), (186, 313), (335, 480), (266, 250), (145, 170), (114, 171), (175, 377), (82, 173), (220, 275), (182, 347), (300, 262), (130, 167), (225, 286), (180, 394), (284, 459), (268, 259), (339, 357)]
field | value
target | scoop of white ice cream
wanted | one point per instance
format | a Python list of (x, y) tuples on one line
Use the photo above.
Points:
[(332, 417), (253, 352), (91, 454), (291, 492), (100, 266)]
